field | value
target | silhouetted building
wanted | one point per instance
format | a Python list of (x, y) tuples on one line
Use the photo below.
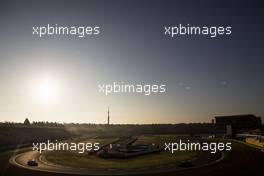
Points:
[(245, 123)]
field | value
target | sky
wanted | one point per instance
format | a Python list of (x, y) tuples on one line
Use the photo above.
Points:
[(56, 78)]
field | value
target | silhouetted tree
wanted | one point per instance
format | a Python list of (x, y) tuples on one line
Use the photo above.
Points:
[(26, 122)]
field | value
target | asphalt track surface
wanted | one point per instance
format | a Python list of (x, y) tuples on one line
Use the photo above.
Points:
[(20, 160), (243, 161)]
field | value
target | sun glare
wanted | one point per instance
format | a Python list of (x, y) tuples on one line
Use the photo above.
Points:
[(46, 91)]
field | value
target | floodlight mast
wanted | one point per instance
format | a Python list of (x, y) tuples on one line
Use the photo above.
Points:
[(108, 116)]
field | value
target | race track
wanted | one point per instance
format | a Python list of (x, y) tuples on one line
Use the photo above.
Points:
[(20, 160)]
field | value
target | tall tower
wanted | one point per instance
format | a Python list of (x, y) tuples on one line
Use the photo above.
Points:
[(108, 116)]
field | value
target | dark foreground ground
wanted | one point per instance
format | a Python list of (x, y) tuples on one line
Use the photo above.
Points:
[(243, 160)]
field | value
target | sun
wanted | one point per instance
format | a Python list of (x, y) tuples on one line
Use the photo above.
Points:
[(46, 90)]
